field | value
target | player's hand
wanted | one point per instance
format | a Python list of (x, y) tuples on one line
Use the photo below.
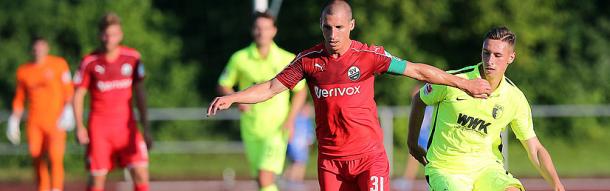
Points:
[(219, 103), (81, 135), (66, 120), (13, 133), (288, 128), (559, 187), (244, 107), (478, 88), (148, 138), (419, 154)]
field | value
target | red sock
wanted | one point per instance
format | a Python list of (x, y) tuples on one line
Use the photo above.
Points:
[(141, 187)]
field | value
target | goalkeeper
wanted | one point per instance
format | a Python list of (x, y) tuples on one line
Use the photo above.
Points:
[(45, 84)]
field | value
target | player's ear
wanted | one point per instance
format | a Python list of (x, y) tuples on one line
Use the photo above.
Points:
[(512, 57), (352, 24)]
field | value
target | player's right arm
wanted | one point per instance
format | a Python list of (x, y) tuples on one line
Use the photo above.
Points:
[(253, 94), (416, 117), (13, 133), (78, 102), (81, 83)]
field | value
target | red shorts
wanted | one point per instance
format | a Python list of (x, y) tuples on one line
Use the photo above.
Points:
[(107, 149), (368, 173)]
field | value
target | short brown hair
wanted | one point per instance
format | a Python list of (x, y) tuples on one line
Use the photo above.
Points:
[(503, 34), (109, 19), (265, 14)]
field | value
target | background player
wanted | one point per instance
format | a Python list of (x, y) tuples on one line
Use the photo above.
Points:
[(111, 74), (264, 137), (412, 165), (298, 149), (340, 74), (45, 83), (460, 155)]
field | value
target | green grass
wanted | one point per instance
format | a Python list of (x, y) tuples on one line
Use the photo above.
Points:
[(571, 160)]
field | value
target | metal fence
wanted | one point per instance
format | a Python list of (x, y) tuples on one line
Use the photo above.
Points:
[(387, 114)]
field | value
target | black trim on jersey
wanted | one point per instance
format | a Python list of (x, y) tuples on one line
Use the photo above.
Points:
[(438, 107), (500, 147), (509, 82), (461, 71)]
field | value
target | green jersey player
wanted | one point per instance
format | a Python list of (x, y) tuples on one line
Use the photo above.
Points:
[(465, 131)]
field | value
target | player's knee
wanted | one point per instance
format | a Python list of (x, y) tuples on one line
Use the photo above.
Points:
[(512, 188), (96, 181), (140, 175)]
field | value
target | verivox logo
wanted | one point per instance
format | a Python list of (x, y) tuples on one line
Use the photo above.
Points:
[(333, 92)]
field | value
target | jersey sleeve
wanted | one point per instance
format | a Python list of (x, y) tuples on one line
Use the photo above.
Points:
[(139, 73), (431, 94), (82, 77), (292, 74), (229, 75), (522, 124), (19, 99)]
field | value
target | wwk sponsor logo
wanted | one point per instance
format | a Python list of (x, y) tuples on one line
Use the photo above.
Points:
[(334, 92)]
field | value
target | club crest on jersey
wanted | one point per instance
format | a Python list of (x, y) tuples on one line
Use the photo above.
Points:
[(353, 73), (126, 69), (99, 69), (497, 111)]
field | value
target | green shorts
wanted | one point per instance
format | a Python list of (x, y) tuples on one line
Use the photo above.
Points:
[(489, 178), (268, 153)]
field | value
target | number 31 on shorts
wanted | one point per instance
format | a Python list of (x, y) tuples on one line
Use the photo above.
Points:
[(376, 183)]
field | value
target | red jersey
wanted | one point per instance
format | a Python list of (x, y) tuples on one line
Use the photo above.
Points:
[(343, 92), (110, 84)]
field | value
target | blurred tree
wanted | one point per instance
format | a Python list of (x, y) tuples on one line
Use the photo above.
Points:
[(562, 46)]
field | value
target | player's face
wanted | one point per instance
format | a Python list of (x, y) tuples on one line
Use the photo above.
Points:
[(263, 31), (496, 56), (111, 37), (40, 49), (336, 29)]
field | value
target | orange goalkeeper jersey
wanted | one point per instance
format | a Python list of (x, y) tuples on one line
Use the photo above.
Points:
[(46, 86)]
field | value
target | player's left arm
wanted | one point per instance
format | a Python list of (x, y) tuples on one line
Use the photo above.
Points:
[(140, 91), (477, 87), (541, 159), (143, 111), (523, 127)]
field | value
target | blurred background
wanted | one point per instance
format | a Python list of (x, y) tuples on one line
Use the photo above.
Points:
[(562, 66)]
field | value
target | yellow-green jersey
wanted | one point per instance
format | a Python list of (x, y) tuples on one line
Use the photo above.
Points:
[(466, 131), (245, 68)]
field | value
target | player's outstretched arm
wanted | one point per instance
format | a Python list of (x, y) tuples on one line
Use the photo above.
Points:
[(253, 94), (415, 119), (477, 87), (541, 159), (79, 99)]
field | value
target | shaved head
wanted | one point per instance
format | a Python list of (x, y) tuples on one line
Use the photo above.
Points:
[(338, 7), (336, 23)]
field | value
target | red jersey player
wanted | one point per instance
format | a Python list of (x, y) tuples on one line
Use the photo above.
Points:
[(110, 74), (340, 74)]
